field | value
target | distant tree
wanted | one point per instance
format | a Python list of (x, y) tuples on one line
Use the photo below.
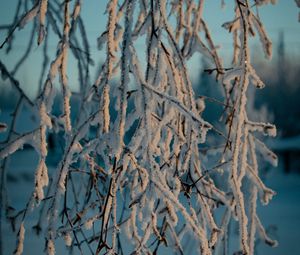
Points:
[(142, 181), (282, 94)]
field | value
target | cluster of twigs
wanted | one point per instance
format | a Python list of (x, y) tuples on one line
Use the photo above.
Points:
[(132, 178)]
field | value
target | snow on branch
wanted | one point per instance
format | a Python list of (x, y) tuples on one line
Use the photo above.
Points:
[(135, 158)]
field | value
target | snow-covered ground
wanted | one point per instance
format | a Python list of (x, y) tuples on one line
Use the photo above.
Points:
[(281, 217)]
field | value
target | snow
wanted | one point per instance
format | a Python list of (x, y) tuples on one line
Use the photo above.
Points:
[(21, 237), (41, 180), (89, 223), (105, 109), (76, 10), (165, 174), (265, 41), (281, 217), (50, 247), (43, 4), (68, 239), (28, 16)]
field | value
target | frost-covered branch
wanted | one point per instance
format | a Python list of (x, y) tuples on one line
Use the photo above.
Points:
[(139, 167)]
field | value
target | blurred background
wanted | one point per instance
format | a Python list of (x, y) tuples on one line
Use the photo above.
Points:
[(278, 102)]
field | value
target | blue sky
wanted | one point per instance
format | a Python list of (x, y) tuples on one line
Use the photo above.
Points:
[(282, 16)]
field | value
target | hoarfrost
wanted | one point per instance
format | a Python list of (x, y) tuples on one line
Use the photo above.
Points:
[(21, 237), (139, 159)]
